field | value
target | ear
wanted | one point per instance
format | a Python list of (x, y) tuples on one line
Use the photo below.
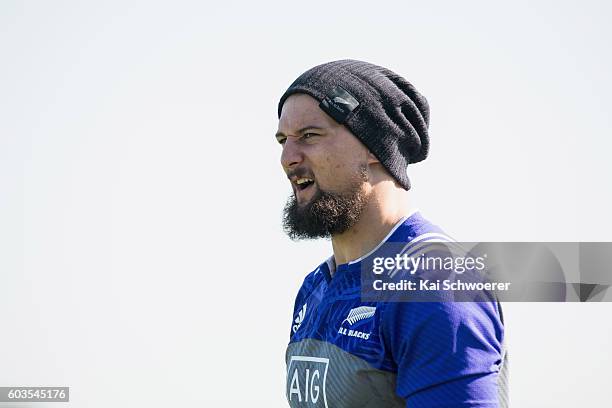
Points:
[(372, 159)]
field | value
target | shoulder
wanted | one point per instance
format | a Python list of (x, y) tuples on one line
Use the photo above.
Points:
[(307, 292), (314, 278), (418, 228), (444, 316), (311, 282)]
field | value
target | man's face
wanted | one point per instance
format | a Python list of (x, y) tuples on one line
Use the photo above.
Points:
[(327, 167)]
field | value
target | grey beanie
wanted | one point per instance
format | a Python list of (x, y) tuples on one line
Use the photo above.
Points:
[(379, 107)]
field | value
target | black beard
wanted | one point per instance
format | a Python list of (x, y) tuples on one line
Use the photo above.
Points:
[(325, 215)]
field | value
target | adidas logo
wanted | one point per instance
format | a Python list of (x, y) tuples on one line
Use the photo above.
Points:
[(300, 318)]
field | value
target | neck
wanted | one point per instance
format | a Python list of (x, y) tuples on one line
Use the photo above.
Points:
[(386, 206)]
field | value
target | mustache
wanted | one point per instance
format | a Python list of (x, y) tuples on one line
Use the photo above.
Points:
[(300, 172)]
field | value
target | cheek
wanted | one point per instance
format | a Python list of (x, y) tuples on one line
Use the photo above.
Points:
[(337, 162), (325, 167), (336, 171)]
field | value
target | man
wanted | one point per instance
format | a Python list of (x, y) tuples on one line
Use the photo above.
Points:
[(348, 130)]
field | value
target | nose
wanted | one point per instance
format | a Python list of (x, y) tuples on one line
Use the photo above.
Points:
[(291, 155)]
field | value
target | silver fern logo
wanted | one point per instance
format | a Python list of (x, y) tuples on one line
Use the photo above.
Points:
[(359, 313), (356, 315), (300, 318), (340, 100)]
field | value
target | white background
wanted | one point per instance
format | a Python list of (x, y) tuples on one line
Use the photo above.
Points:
[(142, 261)]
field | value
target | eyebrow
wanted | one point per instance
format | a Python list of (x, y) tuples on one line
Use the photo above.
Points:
[(279, 133)]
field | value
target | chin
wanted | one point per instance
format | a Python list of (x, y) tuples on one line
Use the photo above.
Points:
[(313, 195)]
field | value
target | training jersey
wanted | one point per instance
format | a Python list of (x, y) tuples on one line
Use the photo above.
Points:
[(344, 352)]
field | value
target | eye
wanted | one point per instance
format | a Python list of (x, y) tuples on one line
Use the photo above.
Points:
[(281, 140), (308, 135)]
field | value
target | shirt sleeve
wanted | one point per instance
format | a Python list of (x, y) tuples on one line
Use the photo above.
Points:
[(299, 306), (447, 354)]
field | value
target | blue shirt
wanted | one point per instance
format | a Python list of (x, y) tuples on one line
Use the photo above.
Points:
[(347, 353)]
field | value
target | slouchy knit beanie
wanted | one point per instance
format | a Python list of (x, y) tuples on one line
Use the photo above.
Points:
[(379, 107)]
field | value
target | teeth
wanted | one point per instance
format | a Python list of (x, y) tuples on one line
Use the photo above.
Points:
[(302, 181)]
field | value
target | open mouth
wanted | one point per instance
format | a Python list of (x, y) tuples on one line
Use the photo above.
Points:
[(303, 183)]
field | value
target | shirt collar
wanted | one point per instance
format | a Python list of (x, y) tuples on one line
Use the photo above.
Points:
[(393, 235)]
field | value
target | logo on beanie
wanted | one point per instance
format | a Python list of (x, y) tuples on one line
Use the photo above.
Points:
[(338, 104)]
